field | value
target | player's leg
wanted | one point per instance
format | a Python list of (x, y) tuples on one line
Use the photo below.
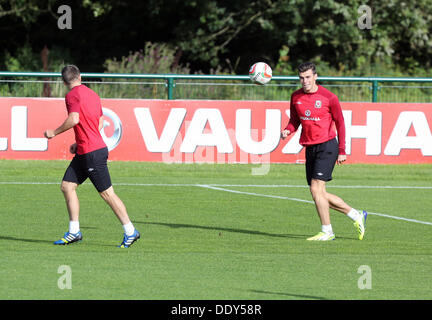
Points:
[(73, 176), (71, 198), (336, 203), (358, 217), (100, 177), (116, 204), (318, 192), (323, 201), (317, 189), (326, 156), (319, 167)]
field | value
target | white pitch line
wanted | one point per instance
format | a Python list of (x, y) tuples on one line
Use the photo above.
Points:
[(327, 186), (305, 201), (252, 193), (155, 184), (219, 187)]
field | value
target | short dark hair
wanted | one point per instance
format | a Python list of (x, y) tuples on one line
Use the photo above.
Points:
[(307, 66), (70, 73)]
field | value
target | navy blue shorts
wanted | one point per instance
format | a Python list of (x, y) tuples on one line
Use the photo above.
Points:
[(91, 165), (321, 159)]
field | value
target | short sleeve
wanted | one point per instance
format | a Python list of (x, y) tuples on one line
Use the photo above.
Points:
[(336, 111), (294, 121), (72, 103)]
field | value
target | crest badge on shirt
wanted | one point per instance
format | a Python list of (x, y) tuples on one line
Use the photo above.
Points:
[(318, 104)]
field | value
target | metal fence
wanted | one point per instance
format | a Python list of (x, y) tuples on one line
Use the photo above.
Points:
[(210, 87)]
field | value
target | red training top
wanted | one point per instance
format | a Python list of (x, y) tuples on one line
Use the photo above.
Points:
[(318, 113), (87, 103)]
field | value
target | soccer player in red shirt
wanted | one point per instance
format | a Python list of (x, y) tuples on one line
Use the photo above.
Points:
[(319, 113), (90, 160)]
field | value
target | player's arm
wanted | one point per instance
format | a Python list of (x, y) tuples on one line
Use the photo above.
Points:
[(101, 121), (293, 123), (338, 118), (71, 121)]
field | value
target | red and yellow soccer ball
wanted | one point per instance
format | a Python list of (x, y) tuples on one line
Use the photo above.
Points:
[(260, 73)]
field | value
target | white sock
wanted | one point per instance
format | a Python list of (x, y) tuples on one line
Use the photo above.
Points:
[(129, 229), (354, 214), (327, 228), (74, 226)]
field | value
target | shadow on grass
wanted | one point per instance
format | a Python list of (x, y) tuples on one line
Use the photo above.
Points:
[(36, 240), (25, 240), (299, 296), (244, 231)]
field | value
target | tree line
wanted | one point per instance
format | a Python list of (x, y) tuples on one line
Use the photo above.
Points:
[(344, 37)]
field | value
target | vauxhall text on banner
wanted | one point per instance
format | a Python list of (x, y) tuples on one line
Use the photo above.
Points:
[(210, 131)]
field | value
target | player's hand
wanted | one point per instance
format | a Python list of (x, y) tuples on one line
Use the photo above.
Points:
[(73, 148), (285, 134), (49, 134), (341, 159)]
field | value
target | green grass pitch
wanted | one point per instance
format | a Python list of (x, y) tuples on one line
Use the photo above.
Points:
[(245, 240)]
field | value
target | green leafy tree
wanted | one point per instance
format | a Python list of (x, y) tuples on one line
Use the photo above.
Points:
[(231, 34), (25, 10), (154, 58)]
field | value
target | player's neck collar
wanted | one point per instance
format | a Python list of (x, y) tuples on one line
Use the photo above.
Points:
[(315, 91), (74, 85)]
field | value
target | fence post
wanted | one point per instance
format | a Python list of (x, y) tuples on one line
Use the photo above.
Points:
[(374, 91), (170, 84)]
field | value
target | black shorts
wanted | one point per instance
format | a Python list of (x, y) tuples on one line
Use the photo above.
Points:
[(321, 159), (91, 165)]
